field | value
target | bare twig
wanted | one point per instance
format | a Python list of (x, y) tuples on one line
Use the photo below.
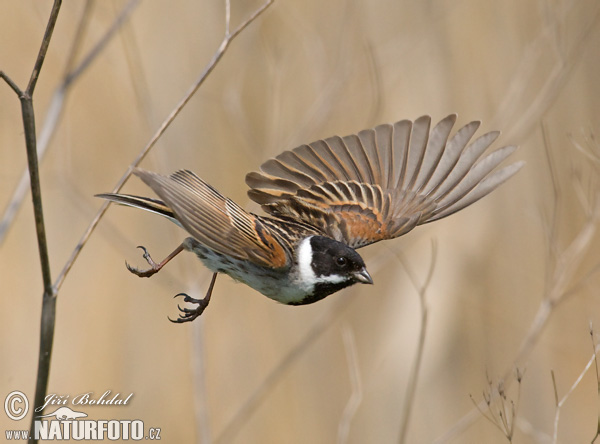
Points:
[(48, 318), (498, 409), (414, 373), (35, 73), (536, 435), (54, 112), (49, 295), (50, 290), (198, 368), (551, 225), (564, 266), (595, 348), (559, 404), (591, 151), (355, 382), (568, 261), (563, 269), (566, 58), (227, 39), (101, 44), (10, 83), (326, 320)]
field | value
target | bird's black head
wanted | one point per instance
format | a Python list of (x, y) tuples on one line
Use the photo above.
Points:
[(328, 266)]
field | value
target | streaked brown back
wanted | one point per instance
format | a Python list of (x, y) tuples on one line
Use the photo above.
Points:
[(216, 221)]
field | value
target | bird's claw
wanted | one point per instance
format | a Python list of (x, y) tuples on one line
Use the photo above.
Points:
[(154, 267), (189, 314)]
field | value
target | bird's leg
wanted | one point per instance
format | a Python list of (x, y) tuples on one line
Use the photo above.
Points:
[(154, 267), (189, 314)]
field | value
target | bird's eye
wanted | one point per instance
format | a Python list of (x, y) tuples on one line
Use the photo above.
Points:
[(341, 261)]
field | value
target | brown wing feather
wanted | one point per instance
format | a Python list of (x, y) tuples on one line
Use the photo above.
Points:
[(382, 182), (214, 220)]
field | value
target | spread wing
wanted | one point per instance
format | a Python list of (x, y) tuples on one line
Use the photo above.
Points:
[(214, 220), (382, 182)]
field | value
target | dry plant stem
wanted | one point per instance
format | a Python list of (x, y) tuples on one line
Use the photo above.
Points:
[(484, 412), (504, 416), (58, 101), (200, 400), (564, 267), (567, 265), (186, 98), (49, 296), (355, 381), (531, 431), (595, 347), (327, 320), (559, 404), (27, 111), (50, 291), (414, 373), (564, 264), (548, 89), (99, 47)]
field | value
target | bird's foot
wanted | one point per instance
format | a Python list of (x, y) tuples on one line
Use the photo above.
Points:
[(189, 314), (154, 267)]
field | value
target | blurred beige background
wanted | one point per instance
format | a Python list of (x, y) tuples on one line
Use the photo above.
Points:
[(251, 370)]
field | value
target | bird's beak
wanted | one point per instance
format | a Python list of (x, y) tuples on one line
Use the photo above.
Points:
[(363, 276)]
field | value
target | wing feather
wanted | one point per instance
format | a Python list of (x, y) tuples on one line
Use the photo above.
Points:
[(214, 220), (399, 149), (381, 182), (416, 152), (368, 142), (434, 150)]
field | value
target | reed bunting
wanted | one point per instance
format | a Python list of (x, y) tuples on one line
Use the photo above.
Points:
[(324, 200)]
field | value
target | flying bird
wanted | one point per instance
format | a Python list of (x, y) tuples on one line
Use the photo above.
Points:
[(324, 201)]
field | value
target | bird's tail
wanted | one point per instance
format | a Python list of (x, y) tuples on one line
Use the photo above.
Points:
[(145, 203)]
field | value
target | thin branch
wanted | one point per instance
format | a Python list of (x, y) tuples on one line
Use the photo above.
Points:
[(416, 369), (231, 430), (48, 318), (28, 114), (485, 410), (497, 408), (49, 295), (44, 47), (244, 25), (565, 268), (557, 199), (12, 84), (355, 382), (79, 36), (227, 16), (186, 98), (101, 44), (554, 387), (564, 399), (198, 369), (536, 435), (563, 273), (326, 320), (50, 291), (36, 190), (595, 348), (57, 103)]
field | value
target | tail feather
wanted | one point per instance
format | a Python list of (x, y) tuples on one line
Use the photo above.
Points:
[(145, 203)]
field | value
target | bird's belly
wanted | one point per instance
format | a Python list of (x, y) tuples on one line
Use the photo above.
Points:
[(276, 284)]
